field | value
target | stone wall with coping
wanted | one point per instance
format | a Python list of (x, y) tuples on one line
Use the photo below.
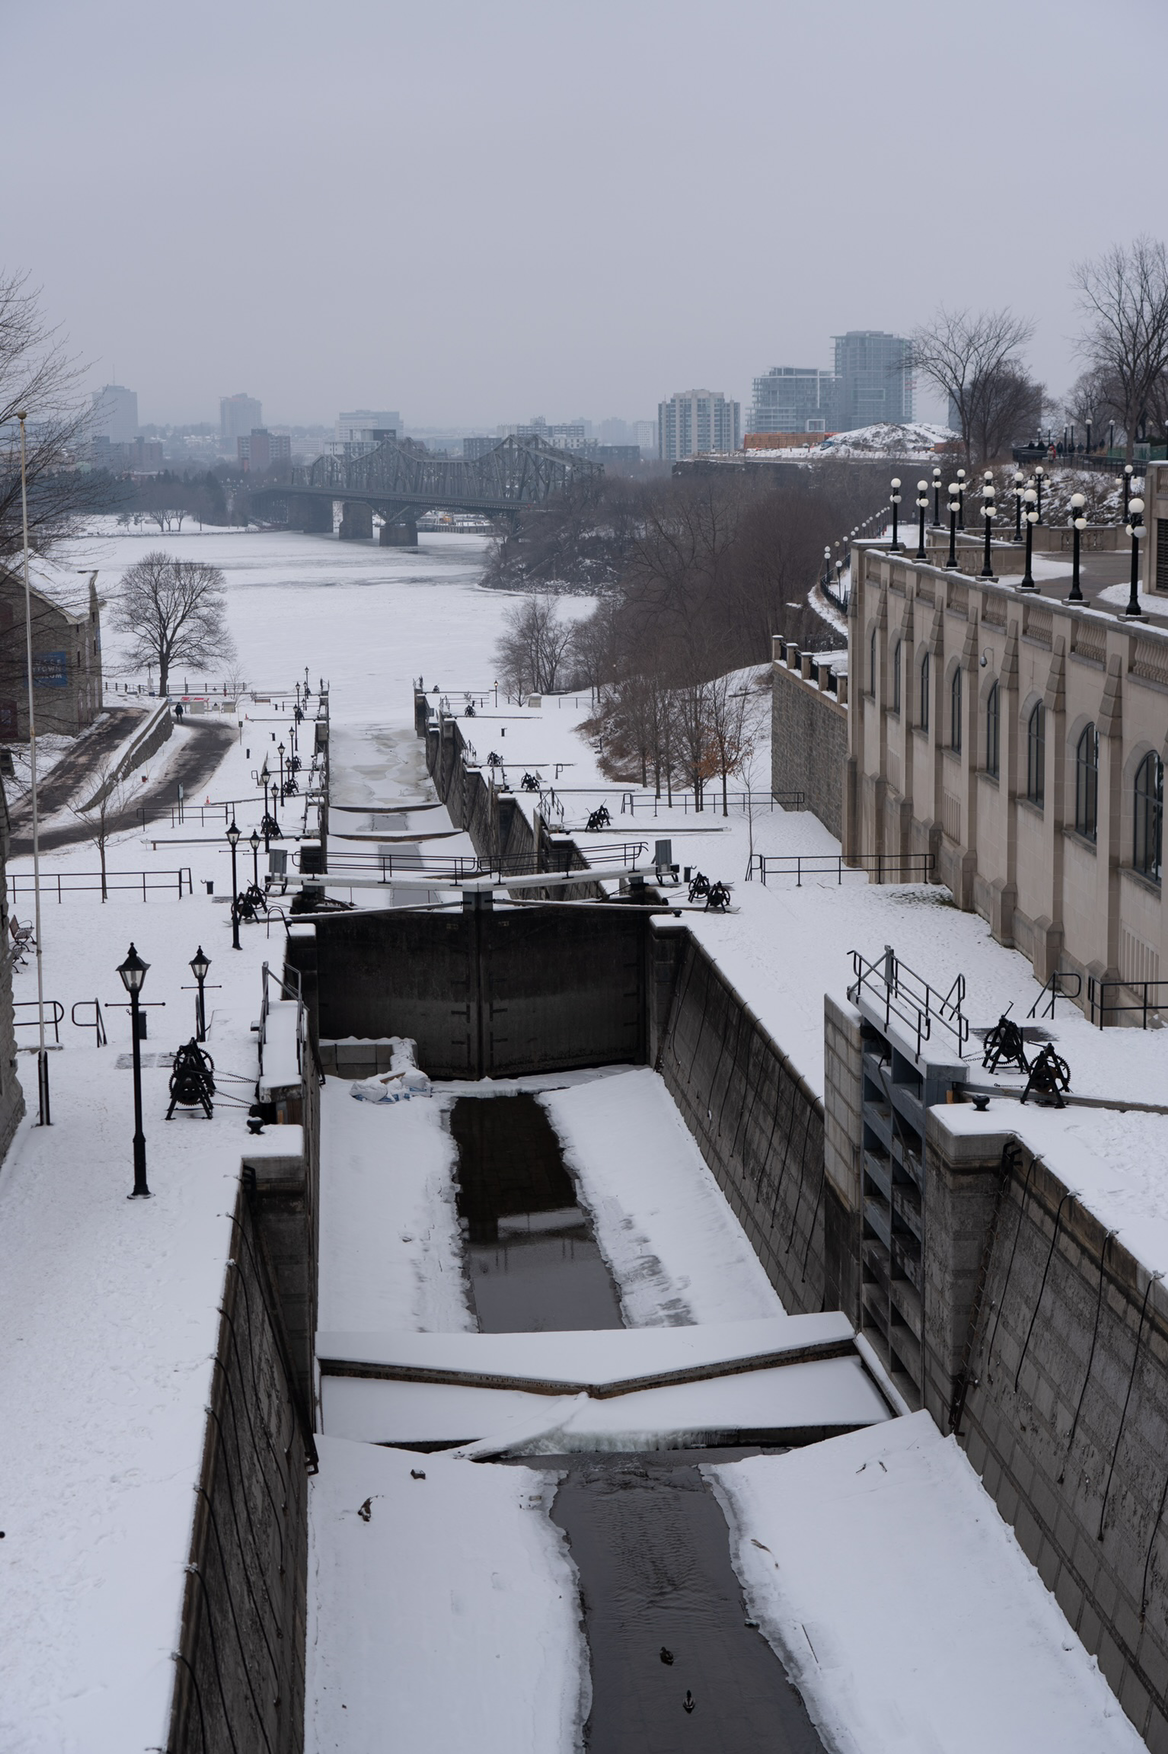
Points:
[(809, 730)]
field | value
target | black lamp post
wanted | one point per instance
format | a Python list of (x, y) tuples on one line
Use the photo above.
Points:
[(895, 502), (233, 842), (1135, 519), (254, 843), (1078, 525), (988, 508), (954, 511), (1029, 500), (936, 499), (922, 509), (1039, 478), (280, 747), (200, 963), (133, 973), (1019, 489), (960, 499), (1127, 488)]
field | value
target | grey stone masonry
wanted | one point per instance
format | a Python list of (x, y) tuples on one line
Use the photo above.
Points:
[(809, 730), (1066, 1411), (757, 1124)]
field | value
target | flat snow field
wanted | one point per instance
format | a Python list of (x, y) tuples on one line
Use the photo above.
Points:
[(908, 1616)]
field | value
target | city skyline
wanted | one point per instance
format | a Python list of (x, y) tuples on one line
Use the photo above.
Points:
[(468, 321)]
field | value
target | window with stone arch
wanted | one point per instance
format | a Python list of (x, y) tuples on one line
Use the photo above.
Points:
[(1087, 783), (1149, 816), (993, 732), (896, 677), (873, 649), (923, 716), (1036, 756), (956, 693)]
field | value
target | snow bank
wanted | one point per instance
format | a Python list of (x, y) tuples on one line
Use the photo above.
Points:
[(390, 1252), (906, 1613), (674, 1247), (442, 1610)]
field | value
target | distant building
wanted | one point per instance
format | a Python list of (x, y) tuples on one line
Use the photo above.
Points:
[(694, 422), (873, 379), (794, 398), (477, 446), (645, 435), (139, 456), (259, 449), (238, 416), (115, 414), (565, 435), (359, 424), (66, 664)]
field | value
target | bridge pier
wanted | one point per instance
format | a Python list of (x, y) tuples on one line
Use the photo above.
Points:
[(313, 516), (403, 534), (356, 521)]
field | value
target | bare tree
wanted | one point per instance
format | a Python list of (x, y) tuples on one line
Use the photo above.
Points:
[(1004, 405), (105, 813), (1093, 401), (1123, 295), (174, 611), (38, 379), (531, 653), (960, 350)]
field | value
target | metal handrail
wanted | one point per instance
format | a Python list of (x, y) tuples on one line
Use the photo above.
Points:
[(902, 993), (1056, 990), (903, 867), (54, 1015), (70, 882), (1099, 1006), (96, 1022)]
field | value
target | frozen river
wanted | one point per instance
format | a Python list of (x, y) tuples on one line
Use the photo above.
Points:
[(367, 619)]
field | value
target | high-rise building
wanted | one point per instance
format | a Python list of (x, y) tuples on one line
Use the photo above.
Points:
[(874, 379), (259, 449), (477, 445), (794, 398), (238, 416), (115, 414), (357, 426), (696, 421)]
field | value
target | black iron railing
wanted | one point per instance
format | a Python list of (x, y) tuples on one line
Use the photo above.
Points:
[(888, 867), (54, 1015), (1148, 998), (898, 991), (62, 883)]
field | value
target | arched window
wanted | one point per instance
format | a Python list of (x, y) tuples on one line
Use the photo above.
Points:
[(1149, 823), (993, 732), (872, 663), (1087, 783), (896, 677), (924, 712), (1036, 756), (955, 692)]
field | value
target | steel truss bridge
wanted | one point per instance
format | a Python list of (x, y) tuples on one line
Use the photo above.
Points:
[(400, 481)]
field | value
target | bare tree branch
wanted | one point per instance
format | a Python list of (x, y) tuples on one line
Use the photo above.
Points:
[(962, 350), (174, 611), (1123, 295)]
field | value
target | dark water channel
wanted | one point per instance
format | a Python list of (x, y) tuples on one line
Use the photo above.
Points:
[(651, 1546), (531, 1258)]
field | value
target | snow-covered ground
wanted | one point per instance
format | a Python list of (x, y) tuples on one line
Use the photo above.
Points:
[(907, 1614)]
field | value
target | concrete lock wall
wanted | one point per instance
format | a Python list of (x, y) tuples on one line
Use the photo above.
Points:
[(757, 1124), (1066, 1411), (239, 1669)]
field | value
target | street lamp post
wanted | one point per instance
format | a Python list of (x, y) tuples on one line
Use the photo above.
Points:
[(960, 499), (133, 973), (988, 509), (254, 843), (1019, 490), (1029, 499), (1078, 525), (1127, 488), (280, 748), (233, 842), (895, 501), (200, 963), (954, 511), (922, 509), (1039, 478), (936, 499), (1135, 519)]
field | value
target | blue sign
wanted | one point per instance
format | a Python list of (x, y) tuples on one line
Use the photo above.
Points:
[(50, 670)]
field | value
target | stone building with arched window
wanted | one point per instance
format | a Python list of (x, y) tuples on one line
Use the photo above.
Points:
[(1021, 741), (66, 663)]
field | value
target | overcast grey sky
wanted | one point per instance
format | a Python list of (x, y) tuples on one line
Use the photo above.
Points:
[(479, 210)]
